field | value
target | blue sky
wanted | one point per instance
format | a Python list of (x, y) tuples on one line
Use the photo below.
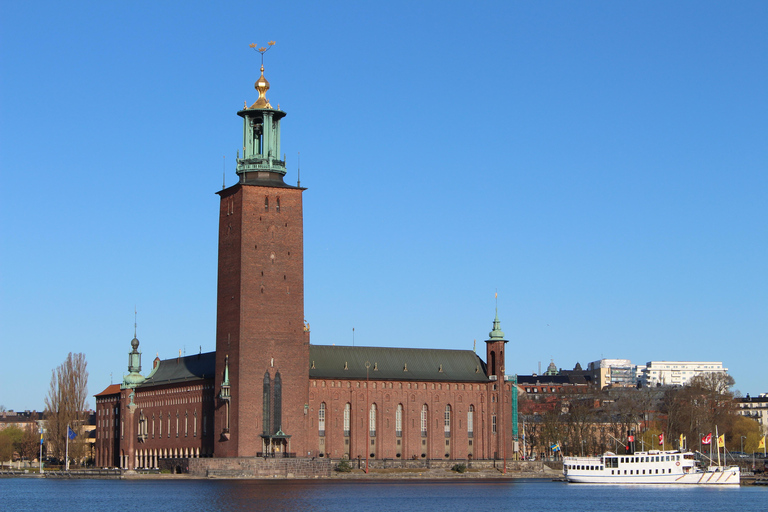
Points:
[(602, 165)]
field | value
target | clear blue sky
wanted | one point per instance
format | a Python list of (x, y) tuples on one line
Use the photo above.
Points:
[(603, 165)]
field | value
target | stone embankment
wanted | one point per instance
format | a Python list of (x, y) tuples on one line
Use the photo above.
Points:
[(256, 468)]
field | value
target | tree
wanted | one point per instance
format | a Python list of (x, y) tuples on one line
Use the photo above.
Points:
[(29, 445), (65, 405), (9, 440)]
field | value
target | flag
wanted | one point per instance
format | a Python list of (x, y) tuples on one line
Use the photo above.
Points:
[(555, 447), (721, 441), (661, 439), (762, 443), (71, 433), (682, 439), (707, 439)]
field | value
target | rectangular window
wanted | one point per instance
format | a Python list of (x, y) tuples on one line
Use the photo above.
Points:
[(424, 420), (347, 411), (493, 420), (321, 420), (399, 420)]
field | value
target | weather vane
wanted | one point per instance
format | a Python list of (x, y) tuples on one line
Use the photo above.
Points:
[(262, 49)]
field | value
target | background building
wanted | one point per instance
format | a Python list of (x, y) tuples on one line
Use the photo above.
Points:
[(676, 373), (755, 408), (613, 372)]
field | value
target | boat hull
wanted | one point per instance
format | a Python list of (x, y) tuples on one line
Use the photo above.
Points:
[(728, 476)]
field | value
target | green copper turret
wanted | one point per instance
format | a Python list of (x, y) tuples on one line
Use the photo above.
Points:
[(261, 160)]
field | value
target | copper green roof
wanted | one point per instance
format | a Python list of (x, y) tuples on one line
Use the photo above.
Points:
[(343, 362), (182, 369)]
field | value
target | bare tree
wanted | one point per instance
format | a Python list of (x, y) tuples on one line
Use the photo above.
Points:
[(66, 404)]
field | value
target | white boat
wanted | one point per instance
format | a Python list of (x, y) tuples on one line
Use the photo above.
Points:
[(651, 467)]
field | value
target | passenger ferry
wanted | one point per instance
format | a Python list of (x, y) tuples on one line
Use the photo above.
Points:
[(651, 467)]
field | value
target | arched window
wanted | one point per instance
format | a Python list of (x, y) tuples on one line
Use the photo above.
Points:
[(471, 421), (424, 420), (493, 421), (321, 420), (266, 203), (447, 421), (347, 412), (399, 420), (372, 421), (277, 206)]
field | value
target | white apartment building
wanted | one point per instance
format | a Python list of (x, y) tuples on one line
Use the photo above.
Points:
[(675, 373)]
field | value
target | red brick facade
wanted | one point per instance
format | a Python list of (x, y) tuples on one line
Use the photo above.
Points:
[(260, 322), (413, 420)]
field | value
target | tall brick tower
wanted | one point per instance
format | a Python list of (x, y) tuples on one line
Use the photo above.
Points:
[(262, 349), (499, 397)]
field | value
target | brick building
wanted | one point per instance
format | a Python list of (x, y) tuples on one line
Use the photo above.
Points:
[(266, 391)]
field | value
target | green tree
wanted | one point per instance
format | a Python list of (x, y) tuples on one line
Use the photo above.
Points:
[(10, 437)]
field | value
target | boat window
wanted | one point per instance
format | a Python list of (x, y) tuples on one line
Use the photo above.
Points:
[(602, 468), (612, 471)]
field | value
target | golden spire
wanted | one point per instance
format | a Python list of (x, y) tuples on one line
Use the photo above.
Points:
[(262, 85)]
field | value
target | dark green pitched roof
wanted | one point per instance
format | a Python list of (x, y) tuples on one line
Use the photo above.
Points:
[(332, 362), (182, 369)]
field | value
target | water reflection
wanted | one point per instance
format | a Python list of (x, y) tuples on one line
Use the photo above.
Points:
[(356, 495)]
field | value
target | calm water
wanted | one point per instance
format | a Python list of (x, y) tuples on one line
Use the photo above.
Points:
[(218, 495)]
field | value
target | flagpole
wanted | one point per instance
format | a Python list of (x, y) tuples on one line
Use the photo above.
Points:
[(66, 457), (718, 446)]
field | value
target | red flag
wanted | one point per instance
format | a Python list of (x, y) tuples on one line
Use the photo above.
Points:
[(707, 439), (661, 439), (631, 438)]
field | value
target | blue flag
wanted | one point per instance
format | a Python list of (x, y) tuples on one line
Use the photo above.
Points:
[(71, 433), (555, 447)]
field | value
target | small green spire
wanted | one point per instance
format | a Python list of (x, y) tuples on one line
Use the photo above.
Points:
[(496, 333)]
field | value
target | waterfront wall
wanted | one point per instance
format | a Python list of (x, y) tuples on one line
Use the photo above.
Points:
[(251, 467)]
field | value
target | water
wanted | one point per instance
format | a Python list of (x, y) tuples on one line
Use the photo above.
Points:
[(20, 494)]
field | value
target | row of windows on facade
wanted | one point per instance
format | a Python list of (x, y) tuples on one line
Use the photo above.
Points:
[(399, 420), (144, 431), (414, 385)]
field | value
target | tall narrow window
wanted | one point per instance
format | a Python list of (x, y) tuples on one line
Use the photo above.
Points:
[(277, 206), (266, 203), (347, 412), (372, 421), (399, 421), (447, 421), (266, 397), (161, 424), (424, 420), (321, 420), (493, 419), (186, 424), (471, 421)]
